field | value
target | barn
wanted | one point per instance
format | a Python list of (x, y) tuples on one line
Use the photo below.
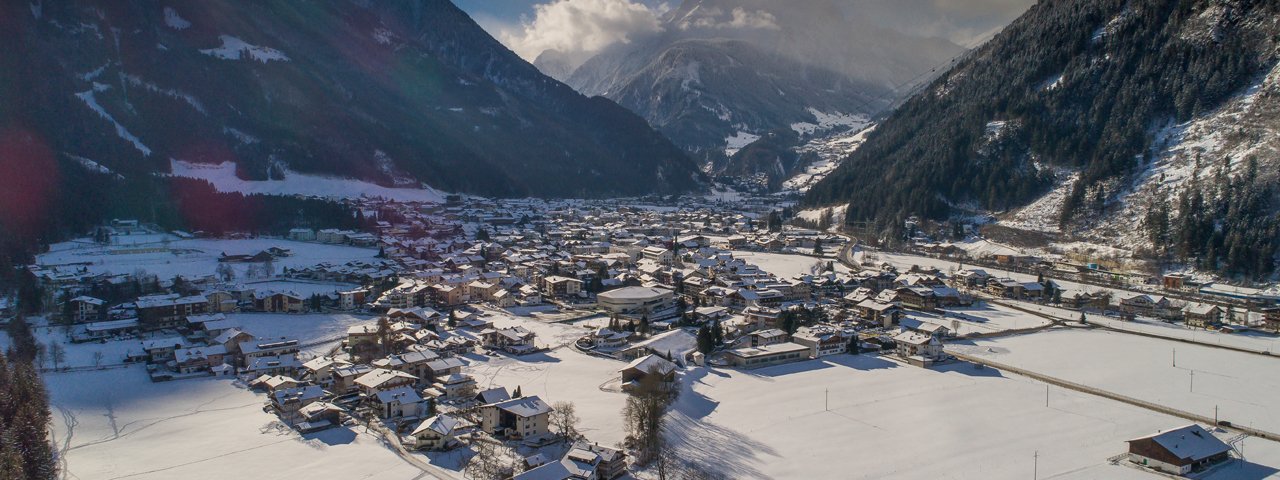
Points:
[(1178, 451)]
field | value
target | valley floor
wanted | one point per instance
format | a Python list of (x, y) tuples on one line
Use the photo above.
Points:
[(837, 417)]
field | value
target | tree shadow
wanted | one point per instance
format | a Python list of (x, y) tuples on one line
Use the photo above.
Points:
[(969, 369), (333, 436), (713, 447), (861, 362)]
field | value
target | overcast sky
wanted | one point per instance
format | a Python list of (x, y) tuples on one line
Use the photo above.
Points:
[(583, 27)]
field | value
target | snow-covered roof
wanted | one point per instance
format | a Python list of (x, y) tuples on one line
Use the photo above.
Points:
[(524, 406), (650, 363), (441, 424), (1192, 443)]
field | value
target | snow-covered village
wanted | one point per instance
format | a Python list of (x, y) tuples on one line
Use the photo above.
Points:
[(530, 339), (640, 239)]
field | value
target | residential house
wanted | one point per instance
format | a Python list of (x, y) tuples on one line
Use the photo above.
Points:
[(382, 379), (642, 368), (1202, 314), (398, 402), (436, 433), (523, 417), (87, 309)]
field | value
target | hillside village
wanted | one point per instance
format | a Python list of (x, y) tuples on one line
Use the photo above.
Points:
[(661, 291)]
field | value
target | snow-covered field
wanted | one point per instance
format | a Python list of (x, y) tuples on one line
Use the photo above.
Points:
[(1245, 387), (319, 331), (981, 319), (866, 417), (191, 257), (882, 419), (785, 265), (117, 424), (223, 177), (1254, 341)]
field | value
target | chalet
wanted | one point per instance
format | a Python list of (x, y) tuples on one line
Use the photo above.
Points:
[(768, 336), (318, 416), (1202, 314), (272, 365), (768, 355), (222, 301), (918, 348), (397, 402), (352, 299), (362, 334), (823, 340), (972, 278), (1005, 287), (1179, 451), (344, 377), (168, 311), (198, 359), (515, 340), (1080, 299), (879, 312), (87, 309), (641, 368), (288, 403), (444, 367), (455, 385), (561, 287), (436, 433), (919, 297), (1146, 305), (381, 380), (445, 296), (412, 363), (278, 302), (523, 417), (493, 395), (320, 370), (658, 255)]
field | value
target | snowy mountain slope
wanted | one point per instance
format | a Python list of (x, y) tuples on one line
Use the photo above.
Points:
[(394, 92)]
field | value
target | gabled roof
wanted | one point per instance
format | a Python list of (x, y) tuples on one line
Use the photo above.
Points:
[(441, 424), (380, 376), (524, 406), (650, 363), (1191, 443)]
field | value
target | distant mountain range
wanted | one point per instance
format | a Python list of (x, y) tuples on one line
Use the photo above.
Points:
[(723, 69), (393, 91)]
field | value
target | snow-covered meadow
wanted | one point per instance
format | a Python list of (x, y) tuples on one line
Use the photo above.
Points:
[(1193, 378), (191, 257), (117, 424)]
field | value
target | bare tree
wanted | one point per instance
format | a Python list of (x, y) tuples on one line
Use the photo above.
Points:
[(491, 461), (97, 359), (643, 415), (564, 417), (58, 354)]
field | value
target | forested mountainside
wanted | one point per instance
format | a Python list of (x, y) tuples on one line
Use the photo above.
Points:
[(1092, 91), (721, 67), (398, 92)]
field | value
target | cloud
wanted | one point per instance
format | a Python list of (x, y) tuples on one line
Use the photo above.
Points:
[(578, 29), (739, 18)]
